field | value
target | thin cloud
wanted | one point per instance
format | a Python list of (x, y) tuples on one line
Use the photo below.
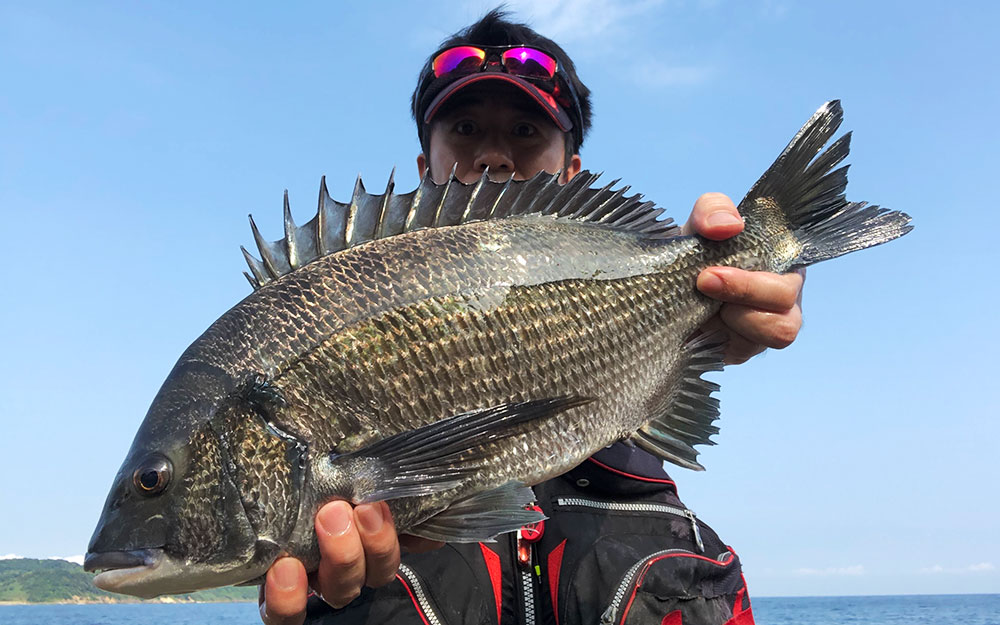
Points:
[(774, 9), (937, 569), (606, 29), (856, 569), (658, 75), (582, 20)]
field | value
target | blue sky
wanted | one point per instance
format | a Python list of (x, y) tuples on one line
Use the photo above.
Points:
[(135, 139)]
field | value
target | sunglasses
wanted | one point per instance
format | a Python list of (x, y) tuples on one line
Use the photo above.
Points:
[(524, 62), (517, 60)]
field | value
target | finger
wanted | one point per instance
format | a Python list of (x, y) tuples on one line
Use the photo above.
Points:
[(341, 572), (284, 593), (737, 348), (714, 217), (757, 289), (378, 536), (416, 544), (762, 327)]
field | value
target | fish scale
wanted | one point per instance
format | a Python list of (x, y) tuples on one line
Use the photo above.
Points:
[(442, 350), (625, 322)]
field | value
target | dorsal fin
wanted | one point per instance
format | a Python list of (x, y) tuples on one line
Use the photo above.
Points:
[(338, 226)]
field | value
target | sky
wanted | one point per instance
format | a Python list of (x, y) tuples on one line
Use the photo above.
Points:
[(136, 138)]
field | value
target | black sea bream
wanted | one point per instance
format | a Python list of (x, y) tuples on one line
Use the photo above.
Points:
[(444, 350)]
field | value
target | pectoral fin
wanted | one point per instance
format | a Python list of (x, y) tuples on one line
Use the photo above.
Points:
[(482, 516), (435, 457)]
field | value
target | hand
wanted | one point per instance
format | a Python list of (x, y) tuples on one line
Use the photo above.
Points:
[(761, 309), (358, 547)]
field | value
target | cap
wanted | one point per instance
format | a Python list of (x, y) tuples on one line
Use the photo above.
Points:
[(434, 92), (545, 100)]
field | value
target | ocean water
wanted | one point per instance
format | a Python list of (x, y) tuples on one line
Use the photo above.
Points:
[(887, 610), (131, 614), (911, 610)]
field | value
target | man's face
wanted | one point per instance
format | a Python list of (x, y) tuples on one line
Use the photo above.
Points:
[(499, 127)]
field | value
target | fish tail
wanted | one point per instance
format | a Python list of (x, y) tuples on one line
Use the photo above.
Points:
[(804, 189)]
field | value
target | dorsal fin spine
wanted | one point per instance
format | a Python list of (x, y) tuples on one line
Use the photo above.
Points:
[(586, 183), (256, 267), (411, 215), (624, 210), (519, 197), (587, 209), (436, 221), (619, 194), (322, 243), (553, 180), (630, 219), (290, 245), (338, 226), (384, 206), (264, 249), (570, 188), (496, 203), (473, 196), (352, 211)]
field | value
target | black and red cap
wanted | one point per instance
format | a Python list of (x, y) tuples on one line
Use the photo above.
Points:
[(495, 49), (547, 101)]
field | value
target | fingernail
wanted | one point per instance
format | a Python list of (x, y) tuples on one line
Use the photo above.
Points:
[(709, 282), (335, 518), (286, 577), (723, 218), (370, 518)]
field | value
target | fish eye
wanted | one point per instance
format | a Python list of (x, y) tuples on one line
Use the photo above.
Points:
[(152, 475)]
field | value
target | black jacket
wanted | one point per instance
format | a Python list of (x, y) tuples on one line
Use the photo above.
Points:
[(617, 548)]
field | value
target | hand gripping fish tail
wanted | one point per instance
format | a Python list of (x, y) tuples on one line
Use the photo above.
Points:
[(443, 350)]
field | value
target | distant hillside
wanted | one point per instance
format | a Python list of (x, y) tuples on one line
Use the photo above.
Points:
[(58, 581)]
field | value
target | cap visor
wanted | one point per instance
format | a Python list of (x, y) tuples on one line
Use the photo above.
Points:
[(544, 100)]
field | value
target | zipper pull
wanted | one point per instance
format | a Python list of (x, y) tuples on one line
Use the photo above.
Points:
[(609, 616), (524, 551), (694, 527)]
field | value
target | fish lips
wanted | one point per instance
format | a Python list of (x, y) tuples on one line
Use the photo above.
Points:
[(119, 569)]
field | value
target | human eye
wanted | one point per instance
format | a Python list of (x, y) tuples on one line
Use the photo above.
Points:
[(524, 129), (466, 127)]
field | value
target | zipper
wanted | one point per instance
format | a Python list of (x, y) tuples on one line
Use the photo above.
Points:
[(526, 559), (420, 595), (608, 618), (624, 506), (528, 585)]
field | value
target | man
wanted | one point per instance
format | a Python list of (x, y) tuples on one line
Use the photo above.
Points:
[(500, 97)]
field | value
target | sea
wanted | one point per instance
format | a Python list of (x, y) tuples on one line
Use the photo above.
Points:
[(888, 610)]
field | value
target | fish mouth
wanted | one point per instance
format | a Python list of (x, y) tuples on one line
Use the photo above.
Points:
[(121, 569)]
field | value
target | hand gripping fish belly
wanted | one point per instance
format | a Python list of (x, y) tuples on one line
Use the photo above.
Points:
[(444, 350)]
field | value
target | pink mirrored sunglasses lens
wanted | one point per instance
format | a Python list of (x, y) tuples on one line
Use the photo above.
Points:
[(529, 62), (464, 59)]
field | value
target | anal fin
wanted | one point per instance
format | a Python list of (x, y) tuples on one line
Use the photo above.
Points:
[(690, 410), (482, 516)]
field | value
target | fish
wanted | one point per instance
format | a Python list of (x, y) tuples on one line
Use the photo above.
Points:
[(444, 350)]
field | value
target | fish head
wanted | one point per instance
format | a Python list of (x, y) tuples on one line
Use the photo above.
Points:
[(175, 520)]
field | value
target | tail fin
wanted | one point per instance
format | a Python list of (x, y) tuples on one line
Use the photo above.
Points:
[(810, 193)]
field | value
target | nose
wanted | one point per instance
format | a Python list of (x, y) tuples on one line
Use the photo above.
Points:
[(496, 159)]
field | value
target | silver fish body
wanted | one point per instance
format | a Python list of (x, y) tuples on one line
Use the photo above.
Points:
[(441, 350)]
